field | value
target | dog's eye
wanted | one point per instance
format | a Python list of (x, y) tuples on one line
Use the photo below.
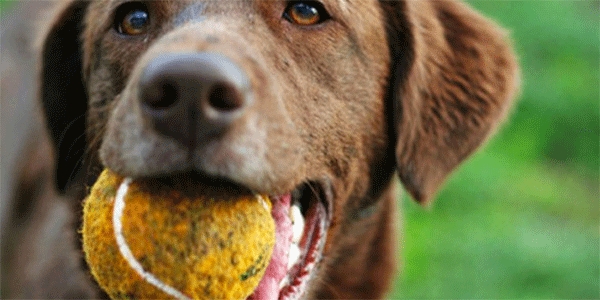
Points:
[(306, 13), (132, 19)]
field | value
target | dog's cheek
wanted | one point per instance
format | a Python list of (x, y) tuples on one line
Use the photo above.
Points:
[(104, 86), (106, 79), (111, 65), (102, 89), (348, 117)]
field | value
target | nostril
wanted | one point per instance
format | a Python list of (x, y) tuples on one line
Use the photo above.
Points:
[(224, 97), (162, 97), (192, 97)]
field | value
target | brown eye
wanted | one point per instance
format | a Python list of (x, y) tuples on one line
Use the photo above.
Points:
[(306, 13), (132, 19)]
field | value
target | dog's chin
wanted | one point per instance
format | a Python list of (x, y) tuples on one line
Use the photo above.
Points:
[(302, 217)]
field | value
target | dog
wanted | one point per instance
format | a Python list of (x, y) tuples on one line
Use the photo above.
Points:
[(322, 101)]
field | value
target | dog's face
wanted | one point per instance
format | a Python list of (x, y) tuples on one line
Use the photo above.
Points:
[(317, 101), (293, 103)]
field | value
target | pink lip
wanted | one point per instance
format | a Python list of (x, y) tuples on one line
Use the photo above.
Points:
[(311, 245)]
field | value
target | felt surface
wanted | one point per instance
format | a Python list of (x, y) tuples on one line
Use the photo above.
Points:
[(205, 248)]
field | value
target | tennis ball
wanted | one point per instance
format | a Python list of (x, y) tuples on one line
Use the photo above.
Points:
[(156, 245)]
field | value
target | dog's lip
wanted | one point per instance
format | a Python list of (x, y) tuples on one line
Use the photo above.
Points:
[(197, 184), (317, 219), (312, 244)]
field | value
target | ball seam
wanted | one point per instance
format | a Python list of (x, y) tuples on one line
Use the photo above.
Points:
[(119, 208)]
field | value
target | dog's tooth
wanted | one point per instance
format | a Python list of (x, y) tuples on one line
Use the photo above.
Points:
[(295, 213), (291, 215), (293, 256), (297, 224)]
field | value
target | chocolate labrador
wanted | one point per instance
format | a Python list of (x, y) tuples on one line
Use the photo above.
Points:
[(319, 101)]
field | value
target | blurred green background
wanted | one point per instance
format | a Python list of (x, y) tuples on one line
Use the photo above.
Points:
[(520, 219)]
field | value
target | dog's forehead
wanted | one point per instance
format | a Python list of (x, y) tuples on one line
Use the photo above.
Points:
[(186, 10), (199, 5), (359, 18), (357, 22), (353, 14)]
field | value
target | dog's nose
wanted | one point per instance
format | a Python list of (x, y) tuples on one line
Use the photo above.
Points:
[(193, 96)]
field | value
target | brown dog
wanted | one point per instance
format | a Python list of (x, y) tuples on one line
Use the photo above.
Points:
[(319, 101)]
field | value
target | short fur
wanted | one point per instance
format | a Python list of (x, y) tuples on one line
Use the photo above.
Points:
[(412, 87)]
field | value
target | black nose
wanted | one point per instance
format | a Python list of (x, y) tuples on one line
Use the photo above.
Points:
[(193, 96)]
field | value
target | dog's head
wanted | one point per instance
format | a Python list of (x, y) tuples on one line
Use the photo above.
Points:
[(319, 100)]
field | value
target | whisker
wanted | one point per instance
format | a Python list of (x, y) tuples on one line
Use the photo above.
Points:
[(67, 128)]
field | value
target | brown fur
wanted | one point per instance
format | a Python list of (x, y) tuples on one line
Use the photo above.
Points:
[(407, 86)]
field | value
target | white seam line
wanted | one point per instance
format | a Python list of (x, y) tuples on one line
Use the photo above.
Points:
[(263, 202), (119, 207)]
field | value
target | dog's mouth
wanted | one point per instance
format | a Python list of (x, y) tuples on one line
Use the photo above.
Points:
[(301, 220), (302, 217)]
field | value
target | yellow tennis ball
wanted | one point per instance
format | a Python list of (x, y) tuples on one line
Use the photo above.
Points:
[(152, 245)]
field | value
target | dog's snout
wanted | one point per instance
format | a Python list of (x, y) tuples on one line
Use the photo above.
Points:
[(193, 96)]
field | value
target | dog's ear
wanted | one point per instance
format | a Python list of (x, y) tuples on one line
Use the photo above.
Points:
[(62, 90), (453, 79)]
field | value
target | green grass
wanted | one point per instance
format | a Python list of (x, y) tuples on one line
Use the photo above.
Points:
[(521, 218), (5, 4)]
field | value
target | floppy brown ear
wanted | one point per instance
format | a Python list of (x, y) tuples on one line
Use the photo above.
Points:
[(62, 92), (453, 81)]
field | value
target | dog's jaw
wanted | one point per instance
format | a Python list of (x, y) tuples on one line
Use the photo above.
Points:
[(288, 274)]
